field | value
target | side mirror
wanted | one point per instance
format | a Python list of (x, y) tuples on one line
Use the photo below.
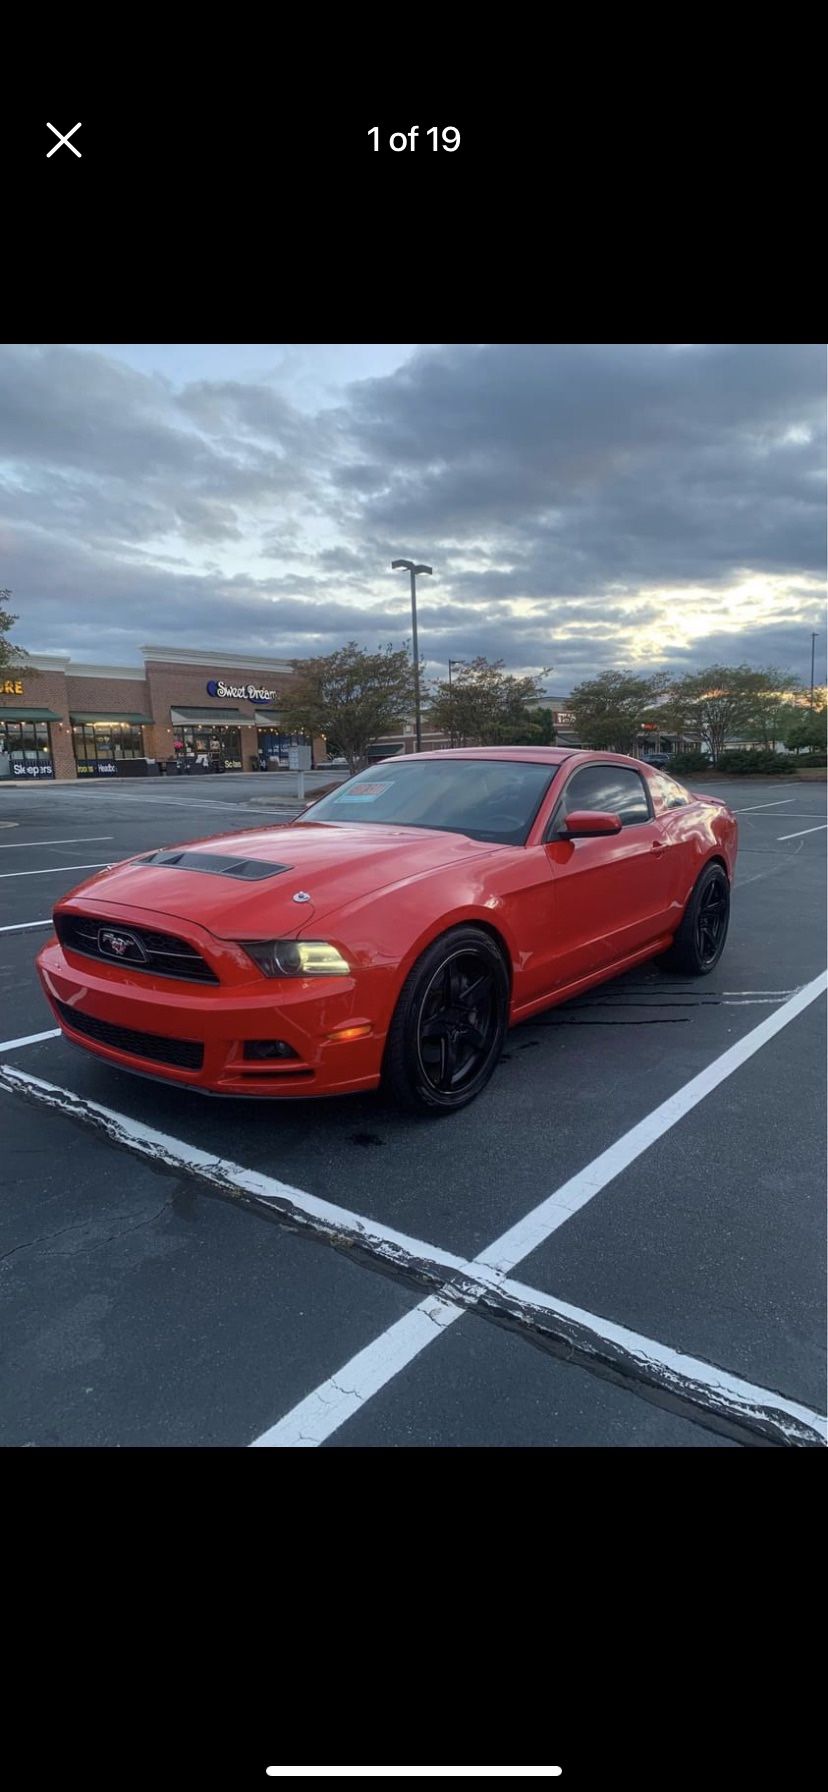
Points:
[(583, 823)]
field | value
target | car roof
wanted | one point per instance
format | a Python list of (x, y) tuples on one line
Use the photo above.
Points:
[(536, 755), (522, 755)]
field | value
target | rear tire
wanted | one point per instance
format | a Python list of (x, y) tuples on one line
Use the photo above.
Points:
[(449, 1024), (699, 942)]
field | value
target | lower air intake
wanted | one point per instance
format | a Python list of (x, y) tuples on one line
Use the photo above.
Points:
[(185, 1054)]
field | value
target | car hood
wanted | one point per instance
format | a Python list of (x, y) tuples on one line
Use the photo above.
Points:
[(334, 866)]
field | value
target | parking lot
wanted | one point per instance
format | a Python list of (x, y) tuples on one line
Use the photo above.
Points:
[(622, 1242)]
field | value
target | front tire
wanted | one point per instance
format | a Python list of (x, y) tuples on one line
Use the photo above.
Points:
[(699, 942), (449, 1024)]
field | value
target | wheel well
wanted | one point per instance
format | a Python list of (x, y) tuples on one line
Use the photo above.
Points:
[(715, 859), (470, 921), (485, 927)]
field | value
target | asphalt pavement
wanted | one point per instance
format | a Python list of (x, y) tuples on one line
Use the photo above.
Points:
[(622, 1243)]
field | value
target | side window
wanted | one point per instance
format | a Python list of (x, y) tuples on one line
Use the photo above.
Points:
[(673, 795), (610, 787)]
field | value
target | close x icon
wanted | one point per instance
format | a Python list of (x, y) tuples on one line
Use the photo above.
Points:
[(63, 140)]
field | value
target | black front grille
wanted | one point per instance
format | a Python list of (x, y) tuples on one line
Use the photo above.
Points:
[(160, 953), (186, 1054)]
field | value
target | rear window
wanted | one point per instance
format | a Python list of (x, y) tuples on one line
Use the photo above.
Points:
[(673, 795)]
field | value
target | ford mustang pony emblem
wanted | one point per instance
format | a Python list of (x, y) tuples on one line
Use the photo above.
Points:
[(115, 944)]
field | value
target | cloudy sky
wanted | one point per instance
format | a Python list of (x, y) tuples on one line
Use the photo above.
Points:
[(582, 506)]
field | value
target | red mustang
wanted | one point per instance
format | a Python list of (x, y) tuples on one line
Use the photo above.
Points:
[(397, 929)]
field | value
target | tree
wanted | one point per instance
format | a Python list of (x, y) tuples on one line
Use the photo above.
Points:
[(774, 705), (716, 703), (609, 709), (807, 729), (485, 706), (9, 654), (352, 696), (539, 730)]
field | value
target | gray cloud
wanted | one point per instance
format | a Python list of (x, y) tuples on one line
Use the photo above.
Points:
[(580, 504), (599, 463)]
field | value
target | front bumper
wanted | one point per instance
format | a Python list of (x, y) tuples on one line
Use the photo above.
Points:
[(304, 1012)]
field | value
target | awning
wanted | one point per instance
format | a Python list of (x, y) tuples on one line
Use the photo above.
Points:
[(268, 718), (210, 718), (110, 715), (28, 715)]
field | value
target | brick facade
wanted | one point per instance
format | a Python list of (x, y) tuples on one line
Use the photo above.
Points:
[(172, 686), (54, 682), (44, 687)]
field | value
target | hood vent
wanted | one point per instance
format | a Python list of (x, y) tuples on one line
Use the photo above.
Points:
[(249, 871)]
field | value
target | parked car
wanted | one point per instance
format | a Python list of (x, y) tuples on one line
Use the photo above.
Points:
[(657, 759), (395, 929)]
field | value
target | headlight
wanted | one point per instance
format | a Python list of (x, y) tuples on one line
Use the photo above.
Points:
[(296, 958)]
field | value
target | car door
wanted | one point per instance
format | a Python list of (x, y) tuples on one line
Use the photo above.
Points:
[(612, 894)]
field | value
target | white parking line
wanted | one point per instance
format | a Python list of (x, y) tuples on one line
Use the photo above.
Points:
[(68, 840), (801, 831), (315, 1418), (589, 1339), (46, 870), (337, 1399), (21, 926), (10, 1045), (779, 804)]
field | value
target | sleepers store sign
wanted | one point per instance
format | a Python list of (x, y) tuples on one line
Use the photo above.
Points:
[(252, 692)]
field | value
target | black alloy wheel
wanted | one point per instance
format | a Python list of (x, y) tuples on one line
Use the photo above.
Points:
[(712, 916), (700, 939), (449, 1025)]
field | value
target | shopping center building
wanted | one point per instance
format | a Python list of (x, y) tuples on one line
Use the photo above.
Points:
[(182, 706)]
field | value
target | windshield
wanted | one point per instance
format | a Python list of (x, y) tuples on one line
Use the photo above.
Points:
[(488, 799)]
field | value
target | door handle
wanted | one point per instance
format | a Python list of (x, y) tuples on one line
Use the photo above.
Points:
[(658, 846)]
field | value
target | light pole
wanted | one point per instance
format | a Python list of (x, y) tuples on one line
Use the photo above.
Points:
[(451, 701), (813, 645), (412, 567)]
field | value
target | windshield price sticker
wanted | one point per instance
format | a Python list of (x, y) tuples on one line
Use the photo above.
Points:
[(364, 793)]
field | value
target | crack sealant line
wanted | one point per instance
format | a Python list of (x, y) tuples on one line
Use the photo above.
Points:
[(322, 1412), (293, 1203), (592, 1340), (699, 1388), (596, 1341)]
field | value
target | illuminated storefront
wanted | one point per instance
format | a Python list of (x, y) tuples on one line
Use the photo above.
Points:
[(214, 741), (25, 742), (186, 709), (99, 742)]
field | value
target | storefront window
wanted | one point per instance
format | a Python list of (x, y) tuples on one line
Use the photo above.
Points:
[(25, 749), (99, 745), (273, 745), (210, 745)]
